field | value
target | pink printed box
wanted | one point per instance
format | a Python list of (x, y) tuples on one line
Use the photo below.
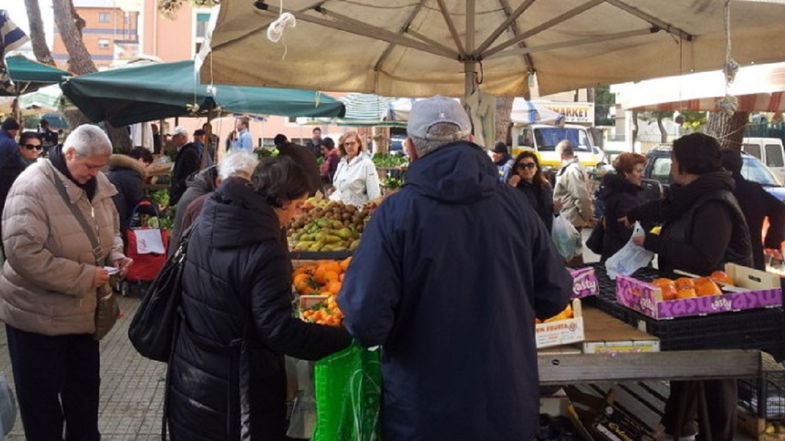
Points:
[(763, 291), (584, 283)]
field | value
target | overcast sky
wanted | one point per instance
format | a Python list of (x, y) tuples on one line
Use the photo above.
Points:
[(18, 13)]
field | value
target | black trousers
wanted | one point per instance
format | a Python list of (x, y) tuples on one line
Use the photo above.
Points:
[(57, 382), (682, 408)]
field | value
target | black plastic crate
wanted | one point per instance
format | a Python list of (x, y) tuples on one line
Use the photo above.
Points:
[(764, 397)]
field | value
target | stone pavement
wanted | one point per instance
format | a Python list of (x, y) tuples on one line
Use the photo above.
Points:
[(132, 386)]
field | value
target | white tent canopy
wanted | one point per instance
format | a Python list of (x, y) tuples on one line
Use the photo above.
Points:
[(757, 88), (428, 47)]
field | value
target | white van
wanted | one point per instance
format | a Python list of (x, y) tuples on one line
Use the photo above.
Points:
[(543, 138), (769, 151)]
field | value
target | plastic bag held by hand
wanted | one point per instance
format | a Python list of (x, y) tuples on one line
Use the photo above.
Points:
[(630, 258), (566, 238)]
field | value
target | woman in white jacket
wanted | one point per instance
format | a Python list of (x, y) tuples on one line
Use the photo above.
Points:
[(356, 181)]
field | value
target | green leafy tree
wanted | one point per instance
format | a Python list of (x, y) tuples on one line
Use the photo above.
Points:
[(604, 101)]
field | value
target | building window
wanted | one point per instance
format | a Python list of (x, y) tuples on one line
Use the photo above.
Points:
[(103, 44), (202, 20), (126, 18), (104, 17)]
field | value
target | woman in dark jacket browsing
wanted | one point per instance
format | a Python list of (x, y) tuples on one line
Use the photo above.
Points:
[(527, 177), (621, 192), (702, 228), (127, 173), (227, 371)]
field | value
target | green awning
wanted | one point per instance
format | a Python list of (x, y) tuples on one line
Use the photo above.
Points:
[(23, 70), (163, 90)]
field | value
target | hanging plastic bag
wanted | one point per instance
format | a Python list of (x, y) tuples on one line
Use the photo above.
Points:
[(566, 238), (348, 394), (630, 258)]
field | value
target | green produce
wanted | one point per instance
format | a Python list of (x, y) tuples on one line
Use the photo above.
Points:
[(328, 226), (386, 160)]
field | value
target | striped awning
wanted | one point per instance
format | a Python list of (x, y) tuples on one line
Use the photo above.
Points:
[(11, 37)]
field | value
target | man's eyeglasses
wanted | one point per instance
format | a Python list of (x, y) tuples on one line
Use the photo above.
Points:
[(33, 147), (524, 165)]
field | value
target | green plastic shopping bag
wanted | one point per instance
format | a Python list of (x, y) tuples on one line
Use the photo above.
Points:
[(348, 386)]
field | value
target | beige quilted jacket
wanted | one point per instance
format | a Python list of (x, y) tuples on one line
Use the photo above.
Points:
[(46, 281)]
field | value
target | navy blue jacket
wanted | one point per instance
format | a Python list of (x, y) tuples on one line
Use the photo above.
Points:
[(450, 273), (8, 146)]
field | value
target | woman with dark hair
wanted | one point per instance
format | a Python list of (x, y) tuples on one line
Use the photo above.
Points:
[(127, 173), (226, 376), (527, 177), (702, 229), (620, 193)]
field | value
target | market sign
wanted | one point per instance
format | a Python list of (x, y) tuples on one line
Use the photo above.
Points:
[(574, 112)]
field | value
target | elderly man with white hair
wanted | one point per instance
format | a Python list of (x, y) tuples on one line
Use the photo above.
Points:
[(188, 161), (237, 164), (48, 283)]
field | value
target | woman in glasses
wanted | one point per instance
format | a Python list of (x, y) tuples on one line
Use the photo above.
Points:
[(527, 177), (356, 181), (30, 148)]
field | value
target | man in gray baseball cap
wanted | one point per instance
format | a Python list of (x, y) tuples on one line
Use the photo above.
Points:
[(450, 273)]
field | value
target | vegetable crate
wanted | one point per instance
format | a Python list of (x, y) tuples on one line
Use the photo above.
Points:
[(762, 290), (563, 331)]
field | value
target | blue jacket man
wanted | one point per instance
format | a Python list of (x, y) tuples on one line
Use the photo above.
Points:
[(449, 276), (8, 145)]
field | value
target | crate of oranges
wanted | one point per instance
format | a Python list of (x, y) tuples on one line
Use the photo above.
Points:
[(735, 289), (318, 284), (563, 328)]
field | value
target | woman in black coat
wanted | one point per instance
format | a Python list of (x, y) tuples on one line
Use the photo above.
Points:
[(702, 229), (227, 371), (527, 177), (620, 193), (127, 173)]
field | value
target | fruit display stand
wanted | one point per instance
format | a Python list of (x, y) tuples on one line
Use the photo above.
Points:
[(564, 328)]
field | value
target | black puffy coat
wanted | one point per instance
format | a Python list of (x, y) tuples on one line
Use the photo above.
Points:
[(188, 162), (703, 226), (227, 373), (127, 174), (619, 196)]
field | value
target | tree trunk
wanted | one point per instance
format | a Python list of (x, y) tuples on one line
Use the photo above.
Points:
[(37, 35), (634, 129), (503, 122), (70, 27), (729, 130), (663, 132)]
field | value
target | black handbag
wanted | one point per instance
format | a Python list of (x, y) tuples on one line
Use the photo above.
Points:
[(155, 322), (594, 242)]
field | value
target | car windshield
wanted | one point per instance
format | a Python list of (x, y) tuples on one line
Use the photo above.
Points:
[(753, 170), (548, 137)]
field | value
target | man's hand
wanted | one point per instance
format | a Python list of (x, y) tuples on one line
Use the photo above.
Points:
[(557, 206), (123, 265), (100, 277), (639, 240), (514, 180)]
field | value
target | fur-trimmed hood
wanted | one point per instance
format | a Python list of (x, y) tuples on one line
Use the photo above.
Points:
[(125, 161)]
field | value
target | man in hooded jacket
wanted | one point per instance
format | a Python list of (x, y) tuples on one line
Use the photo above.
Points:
[(449, 276)]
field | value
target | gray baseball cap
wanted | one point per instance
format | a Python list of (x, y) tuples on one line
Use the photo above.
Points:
[(438, 109)]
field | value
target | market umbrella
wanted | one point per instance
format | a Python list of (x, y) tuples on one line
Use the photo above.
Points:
[(162, 90), (47, 98), (756, 88), (528, 112), (29, 75), (427, 47)]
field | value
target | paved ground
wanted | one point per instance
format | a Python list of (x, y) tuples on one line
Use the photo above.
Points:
[(131, 386)]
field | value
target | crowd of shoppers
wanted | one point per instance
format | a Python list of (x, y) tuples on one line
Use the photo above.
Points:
[(227, 379)]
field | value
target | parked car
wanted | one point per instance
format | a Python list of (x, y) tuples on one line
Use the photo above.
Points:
[(658, 168), (769, 151)]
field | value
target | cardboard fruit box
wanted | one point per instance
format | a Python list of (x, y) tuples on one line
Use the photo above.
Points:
[(761, 290), (584, 283), (561, 332)]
